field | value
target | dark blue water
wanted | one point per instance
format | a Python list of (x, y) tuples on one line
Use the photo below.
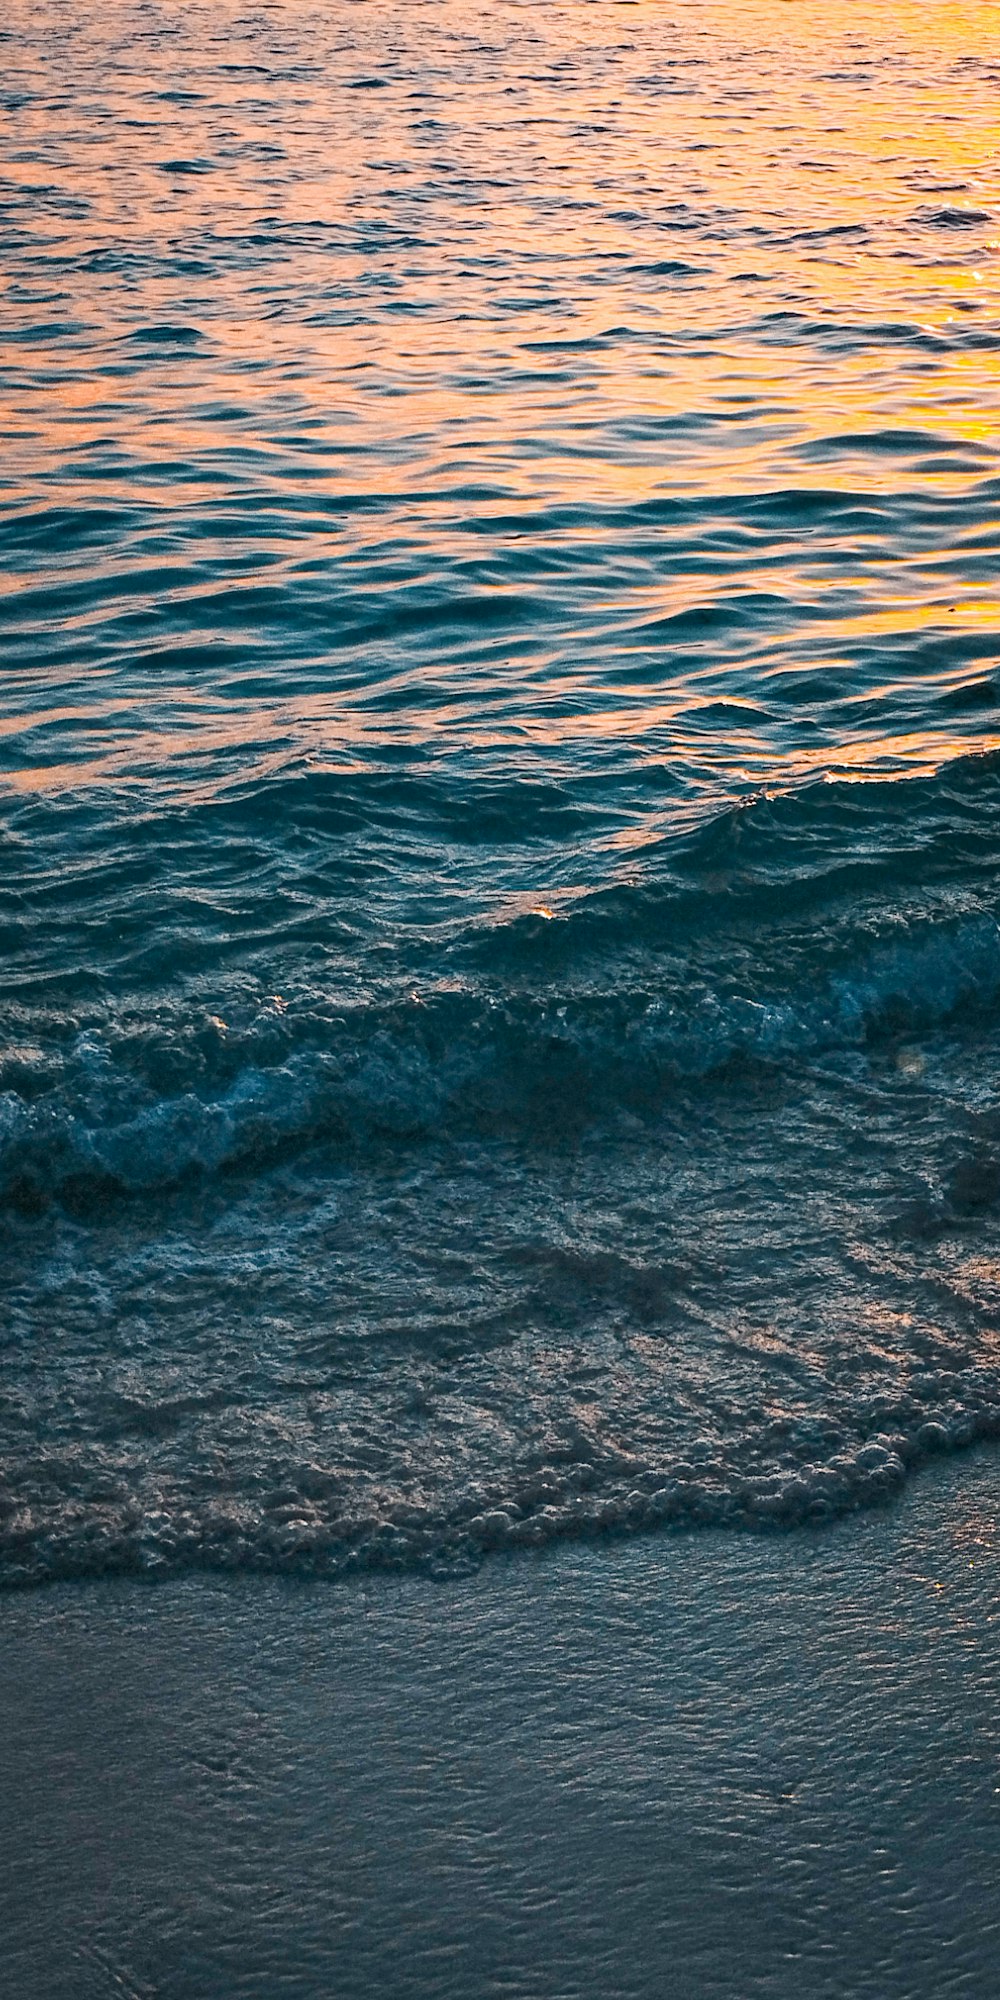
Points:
[(500, 804)]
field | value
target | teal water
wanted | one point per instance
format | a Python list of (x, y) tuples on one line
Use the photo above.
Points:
[(500, 775)]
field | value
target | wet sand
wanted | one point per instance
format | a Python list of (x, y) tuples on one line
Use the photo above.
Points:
[(704, 1765)]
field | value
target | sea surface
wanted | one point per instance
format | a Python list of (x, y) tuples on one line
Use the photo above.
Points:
[(499, 773)]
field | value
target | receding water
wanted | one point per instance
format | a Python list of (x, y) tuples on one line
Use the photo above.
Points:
[(500, 772)]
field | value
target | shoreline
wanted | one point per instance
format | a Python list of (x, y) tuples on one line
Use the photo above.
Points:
[(703, 1765)]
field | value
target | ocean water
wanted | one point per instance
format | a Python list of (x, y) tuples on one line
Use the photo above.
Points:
[(499, 773)]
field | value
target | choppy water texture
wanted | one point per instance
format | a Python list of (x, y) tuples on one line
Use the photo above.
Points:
[(500, 772)]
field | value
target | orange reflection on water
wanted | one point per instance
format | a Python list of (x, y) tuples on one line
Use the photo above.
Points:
[(536, 325)]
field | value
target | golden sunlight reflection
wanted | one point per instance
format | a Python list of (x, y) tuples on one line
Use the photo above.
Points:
[(711, 298)]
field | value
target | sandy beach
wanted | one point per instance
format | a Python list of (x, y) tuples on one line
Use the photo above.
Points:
[(706, 1765)]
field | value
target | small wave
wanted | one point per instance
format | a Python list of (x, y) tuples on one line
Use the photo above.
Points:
[(192, 166), (64, 528), (465, 1061), (903, 443), (952, 217), (670, 267), (314, 1527), (165, 335)]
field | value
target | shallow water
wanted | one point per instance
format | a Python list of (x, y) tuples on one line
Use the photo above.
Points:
[(500, 773)]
